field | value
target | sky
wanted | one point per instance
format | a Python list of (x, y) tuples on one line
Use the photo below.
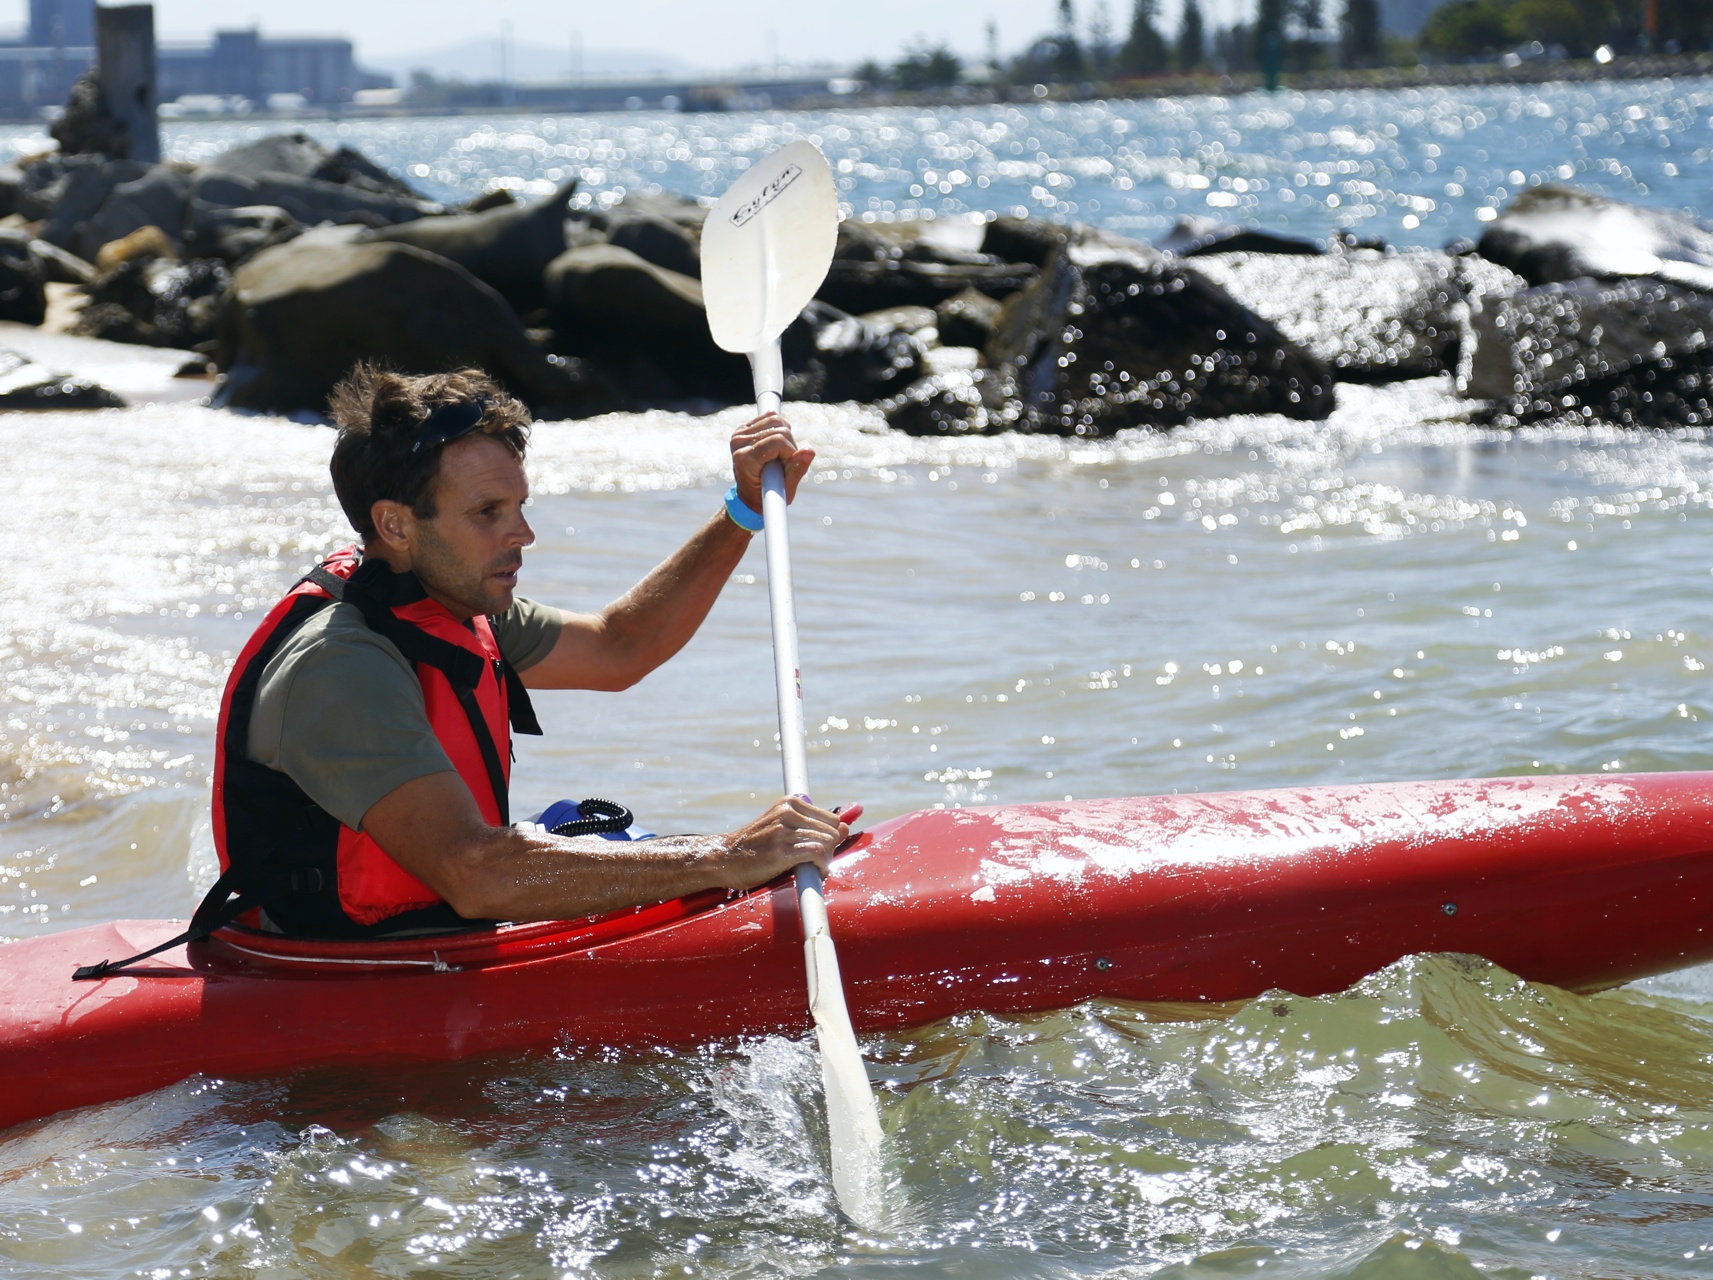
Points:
[(723, 35)]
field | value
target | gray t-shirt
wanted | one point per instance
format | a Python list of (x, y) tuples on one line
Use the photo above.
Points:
[(339, 710)]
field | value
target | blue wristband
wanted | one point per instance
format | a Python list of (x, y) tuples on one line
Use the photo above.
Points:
[(741, 513)]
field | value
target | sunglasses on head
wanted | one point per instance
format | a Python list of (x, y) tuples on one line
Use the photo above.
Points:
[(450, 422)]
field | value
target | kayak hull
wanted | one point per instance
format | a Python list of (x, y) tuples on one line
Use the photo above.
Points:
[(1581, 882)]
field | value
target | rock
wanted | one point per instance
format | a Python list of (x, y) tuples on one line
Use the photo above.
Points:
[(958, 402), (1373, 317), (76, 187), (156, 199), (60, 266), (608, 304), (1636, 352), (901, 320), (966, 319), (297, 155), (508, 248), (308, 200), (145, 242), (859, 286), (881, 265), (299, 315), (682, 210), (23, 288), (1030, 240), (1553, 233), (831, 357), (234, 234), (1113, 334), (24, 384), (659, 240), (498, 198), (87, 127), (157, 302), (18, 194), (1194, 236)]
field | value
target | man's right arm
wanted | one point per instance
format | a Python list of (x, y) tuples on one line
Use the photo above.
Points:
[(432, 828)]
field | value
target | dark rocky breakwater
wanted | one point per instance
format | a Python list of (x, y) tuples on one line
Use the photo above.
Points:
[(282, 263)]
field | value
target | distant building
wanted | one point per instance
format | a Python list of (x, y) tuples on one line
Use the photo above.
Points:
[(38, 70), (57, 24)]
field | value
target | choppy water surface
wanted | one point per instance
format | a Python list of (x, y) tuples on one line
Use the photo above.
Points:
[(1393, 594)]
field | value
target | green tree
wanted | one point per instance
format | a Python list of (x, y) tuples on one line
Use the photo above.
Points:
[(927, 67), (1361, 31), (1469, 29), (1144, 52), (872, 74), (1192, 38), (1100, 51)]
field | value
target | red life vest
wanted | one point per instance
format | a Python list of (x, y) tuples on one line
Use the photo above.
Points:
[(280, 850)]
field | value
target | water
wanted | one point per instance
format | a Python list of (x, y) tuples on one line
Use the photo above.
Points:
[(1243, 603)]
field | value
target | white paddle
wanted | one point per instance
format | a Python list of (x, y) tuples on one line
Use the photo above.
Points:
[(766, 248)]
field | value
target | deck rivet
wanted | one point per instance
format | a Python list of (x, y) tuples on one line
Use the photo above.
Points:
[(1103, 964), (1449, 908)]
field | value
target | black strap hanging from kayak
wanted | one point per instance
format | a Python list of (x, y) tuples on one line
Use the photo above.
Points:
[(224, 903)]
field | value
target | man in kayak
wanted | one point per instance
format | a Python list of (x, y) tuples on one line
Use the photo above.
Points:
[(363, 754)]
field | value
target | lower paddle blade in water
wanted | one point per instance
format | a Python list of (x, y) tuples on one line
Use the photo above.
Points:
[(853, 1122)]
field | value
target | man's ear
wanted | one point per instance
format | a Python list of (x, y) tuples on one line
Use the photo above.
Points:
[(394, 523)]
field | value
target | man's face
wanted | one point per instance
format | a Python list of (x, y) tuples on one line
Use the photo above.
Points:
[(468, 556)]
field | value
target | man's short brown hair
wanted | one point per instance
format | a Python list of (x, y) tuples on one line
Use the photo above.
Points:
[(379, 414)]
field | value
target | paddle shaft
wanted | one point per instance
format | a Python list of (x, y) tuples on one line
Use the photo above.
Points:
[(852, 1119), (787, 670)]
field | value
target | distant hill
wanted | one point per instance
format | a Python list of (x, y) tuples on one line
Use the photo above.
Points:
[(479, 59)]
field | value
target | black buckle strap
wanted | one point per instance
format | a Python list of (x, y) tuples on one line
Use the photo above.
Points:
[(223, 904)]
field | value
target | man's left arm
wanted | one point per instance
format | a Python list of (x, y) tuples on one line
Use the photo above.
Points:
[(656, 618)]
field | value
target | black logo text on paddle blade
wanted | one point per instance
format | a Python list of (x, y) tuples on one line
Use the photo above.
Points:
[(766, 196)]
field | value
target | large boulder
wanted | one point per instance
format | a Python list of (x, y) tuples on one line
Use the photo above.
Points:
[(508, 248), (832, 357), (662, 241), (156, 301), (958, 402), (298, 155), (301, 314), (608, 304), (156, 199), (966, 319), (1112, 334), (23, 284), (75, 188), (1634, 352), (1029, 240), (87, 126), (309, 200), (875, 267), (1373, 317), (234, 234), (1551, 234)]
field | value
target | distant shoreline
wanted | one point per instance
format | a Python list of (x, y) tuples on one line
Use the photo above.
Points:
[(1473, 75)]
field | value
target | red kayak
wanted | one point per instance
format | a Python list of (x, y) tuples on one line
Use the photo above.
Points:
[(1583, 882)]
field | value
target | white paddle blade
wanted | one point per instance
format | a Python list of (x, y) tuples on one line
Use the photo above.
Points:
[(766, 247), (853, 1121)]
